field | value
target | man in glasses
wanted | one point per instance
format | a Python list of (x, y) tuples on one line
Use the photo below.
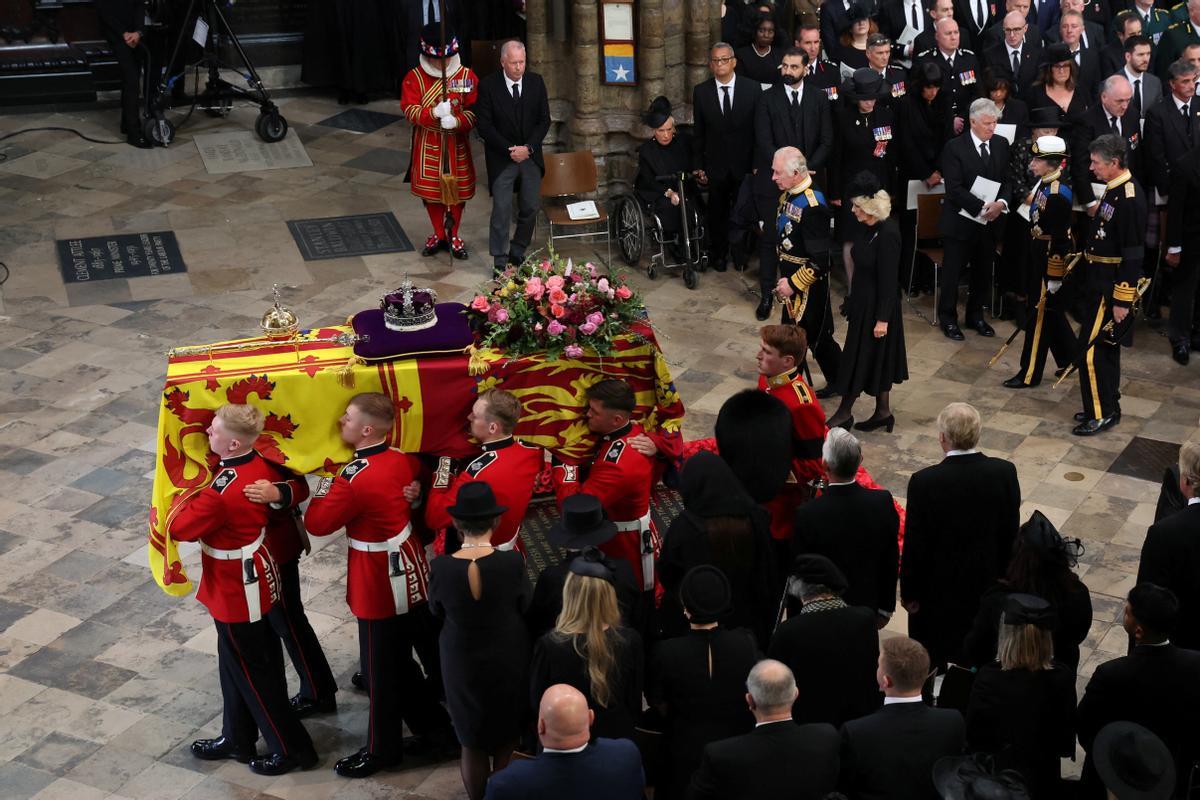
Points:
[(1015, 56)]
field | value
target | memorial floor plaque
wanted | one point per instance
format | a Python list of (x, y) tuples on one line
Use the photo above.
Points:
[(119, 255), (1146, 459), (360, 120), (243, 151), (343, 237)]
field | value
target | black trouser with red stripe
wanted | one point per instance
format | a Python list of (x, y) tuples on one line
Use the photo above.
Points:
[(291, 625), (254, 690), (399, 691)]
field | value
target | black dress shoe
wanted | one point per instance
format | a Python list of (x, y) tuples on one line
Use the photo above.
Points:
[(219, 748), (1179, 352), (982, 328), (718, 264), (359, 682), (888, 422), (827, 391), (1091, 427), (139, 141), (363, 764), (459, 249), (1017, 382), (307, 706), (764, 308), (952, 331), (845, 424), (279, 764), (1082, 416), (432, 245)]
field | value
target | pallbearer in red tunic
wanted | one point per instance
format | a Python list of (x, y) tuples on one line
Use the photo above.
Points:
[(782, 350), (386, 582), (441, 119), (239, 585), (510, 467)]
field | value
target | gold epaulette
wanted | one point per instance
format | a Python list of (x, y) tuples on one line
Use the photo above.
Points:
[(802, 391), (1054, 187), (1095, 259), (1124, 293), (1130, 190), (803, 278), (1056, 266)]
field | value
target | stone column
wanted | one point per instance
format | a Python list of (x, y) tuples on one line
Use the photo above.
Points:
[(700, 36)]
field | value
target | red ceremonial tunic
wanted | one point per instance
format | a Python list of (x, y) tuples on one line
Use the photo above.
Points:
[(283, 537), (227, 525), (510, 467), (808, 434), (419, 93), (621, 477), (367, 498)]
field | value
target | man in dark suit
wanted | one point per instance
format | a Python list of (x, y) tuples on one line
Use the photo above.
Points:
[(1015, 56), (889, 755), (854, 527), (1112, 54), (996, 34), (121, 24), (1087, 59), (787, 115), (895, 18), (1044, 14), (1092, 35), (1183, 255), (1172, 126), (961, 68), (1147, 88), (1111, 115), (1155, 686), (976, 16), (416, 14), (978, 153), (778, 758), (512, 116), (723, 141), (961, 521), (843, 678), (1171, 552), (569, 766)]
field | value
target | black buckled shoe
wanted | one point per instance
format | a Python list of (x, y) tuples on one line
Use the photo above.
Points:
[(1018, 382), (307, 706), (951, 331), (459, 249), (279, 764), (432, 245), (1091, 427), (363, 764), (981, 327), (764, 308), (359, 682), (219, 748), (1179, 352)]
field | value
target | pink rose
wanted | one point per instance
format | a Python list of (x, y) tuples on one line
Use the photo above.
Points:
[(545, 265), (596, 318), (480, 303), (602, 284), (555, 328), (624, 292), (588, 328), (535, 288), (537, 327), (591, 268), (557, 295), (555, 282), (498, 314), (557, 311), (577, 278), (573, 351)]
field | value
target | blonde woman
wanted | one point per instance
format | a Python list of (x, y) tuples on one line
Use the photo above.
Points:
[(590, 650), (1022, 706), (874, 357)]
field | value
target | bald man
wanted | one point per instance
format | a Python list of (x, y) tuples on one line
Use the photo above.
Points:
[(1015, 56), (607, 769)]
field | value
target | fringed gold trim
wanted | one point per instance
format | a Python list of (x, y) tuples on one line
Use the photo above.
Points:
[(345, 373), (476, 363)]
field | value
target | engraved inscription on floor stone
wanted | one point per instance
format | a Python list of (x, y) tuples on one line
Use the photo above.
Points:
[(243, 151), (120, 255), (355, 235)]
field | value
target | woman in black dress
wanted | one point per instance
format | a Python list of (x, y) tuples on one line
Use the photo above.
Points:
[(698, 681), (721, 526), (481, 594), (666, 153), (1041, 564), (590, 650), (1057, 82), (759, 61), (925, 121), (874, 357), (1022, 706)]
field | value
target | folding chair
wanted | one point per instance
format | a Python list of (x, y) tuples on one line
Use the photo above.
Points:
[(929, 214), (569, 175)]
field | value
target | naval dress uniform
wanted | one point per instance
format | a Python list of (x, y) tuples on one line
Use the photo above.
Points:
[(239, 585), (387, 589), (1114, 253), (1048, 330)]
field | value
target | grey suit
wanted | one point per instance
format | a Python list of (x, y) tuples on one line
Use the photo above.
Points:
[(1151, 93)]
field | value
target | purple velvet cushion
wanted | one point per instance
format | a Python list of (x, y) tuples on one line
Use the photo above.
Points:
[(451, 334)]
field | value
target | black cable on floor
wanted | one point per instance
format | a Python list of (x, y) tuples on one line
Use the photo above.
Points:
[(4, 156), (4, 267)]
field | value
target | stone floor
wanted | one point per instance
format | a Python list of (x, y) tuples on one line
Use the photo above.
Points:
[(104, 679)]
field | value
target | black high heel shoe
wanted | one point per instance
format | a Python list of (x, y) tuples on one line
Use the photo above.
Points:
[(878, 422), (845, 424)]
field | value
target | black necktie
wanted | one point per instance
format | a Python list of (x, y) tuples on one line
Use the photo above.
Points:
[(1115, 127), (796, 101), (726, 103), (916, 20), (983, 151), (431, 12), (1137, 95), (1016, 63), (980, 19), (516, 92)]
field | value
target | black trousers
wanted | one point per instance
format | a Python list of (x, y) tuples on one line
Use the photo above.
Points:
[(1100, 373), (399, 691), (254, 690), (722, 194), (817, 322), (291, 625), (1184, 281), (1047, 330), (129, 61), (979, 252)]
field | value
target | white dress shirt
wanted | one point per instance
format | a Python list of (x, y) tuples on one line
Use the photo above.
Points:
[(721, 90)]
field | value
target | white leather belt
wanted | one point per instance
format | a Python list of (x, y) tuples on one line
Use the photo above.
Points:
[(511, 543), (399, 564), (249, 571), (642, 526)]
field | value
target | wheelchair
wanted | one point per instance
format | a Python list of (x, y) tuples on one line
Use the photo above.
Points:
[(638, 228)]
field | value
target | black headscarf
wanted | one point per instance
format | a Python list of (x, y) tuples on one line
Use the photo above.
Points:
[(710, 489)]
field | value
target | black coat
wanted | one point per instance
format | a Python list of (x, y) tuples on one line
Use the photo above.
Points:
[(1183, 220), (764, 69), (724, 146), (1167, 137), (864, 143), (503, 123), (855, 528), (961, 522), (1087, 126), (924, 130), (555, 660), (607, 769), (1074, 609), (118, 17), (964, 14), (839, 684), (1025, 720), (779, 759), (962, 82), (889, 755), (548, 596), (997, 60), (1171, 559), (698, 682), (961, 165), (1154, 686), (774, 128), (871, 365)]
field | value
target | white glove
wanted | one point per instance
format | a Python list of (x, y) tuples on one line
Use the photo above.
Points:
[(449, 123), (442, 109), (1053, 286)]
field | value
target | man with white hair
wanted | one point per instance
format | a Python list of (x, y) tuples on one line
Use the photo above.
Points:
[(512, 117), (778, 758), (1113, 114), (971, 239)]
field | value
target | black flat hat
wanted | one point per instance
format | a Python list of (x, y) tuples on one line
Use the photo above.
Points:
[(476, 500), (582, 523), (705, 594), (865, 84), (1133, 763), (1046, 117), (1028, 609), (593, 564), (658, 113), (1055, 54), (819, 570)]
